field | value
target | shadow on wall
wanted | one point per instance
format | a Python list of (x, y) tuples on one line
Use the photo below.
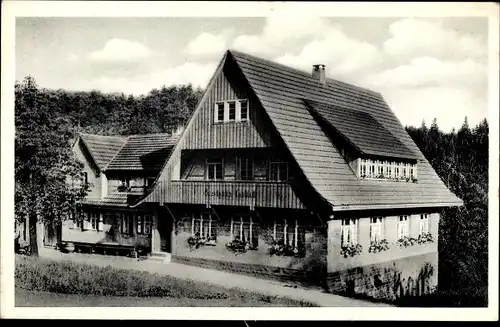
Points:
[(385, 284)]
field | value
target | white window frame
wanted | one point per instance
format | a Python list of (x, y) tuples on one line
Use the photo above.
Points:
[(201, 219), (424, 224), (284, 228), (403, 226), (143, 224), (236, 229), (215, 162), (238, 110), (216, 111), (228, 110), (349, 234), (377, 228)]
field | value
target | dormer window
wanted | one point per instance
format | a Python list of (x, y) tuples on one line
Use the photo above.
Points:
[(387, 170), (231, 111)]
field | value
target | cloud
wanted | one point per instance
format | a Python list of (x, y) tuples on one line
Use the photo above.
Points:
[(413, 37), (284, 29), (120, 51), (208, 45), (303, 40), (190, 72), (341, 55), (427, 71), (449, 105)]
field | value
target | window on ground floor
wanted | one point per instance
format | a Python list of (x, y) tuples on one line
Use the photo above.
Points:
[(244, 229), (424, 224), (204, 226), (403, 227), (376, 229), (143, 224), (290, 233), (127, 224), (349, 232)]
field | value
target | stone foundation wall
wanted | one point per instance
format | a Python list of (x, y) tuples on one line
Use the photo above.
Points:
[(415, 275)]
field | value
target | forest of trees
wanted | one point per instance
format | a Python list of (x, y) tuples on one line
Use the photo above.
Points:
[(460, 158), (46, 120)]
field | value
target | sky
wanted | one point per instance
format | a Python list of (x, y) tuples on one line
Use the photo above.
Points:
[(425, 68)]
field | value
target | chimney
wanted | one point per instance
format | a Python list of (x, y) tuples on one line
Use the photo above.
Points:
[(319, 73)]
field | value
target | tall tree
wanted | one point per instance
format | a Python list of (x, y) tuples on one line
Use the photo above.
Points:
[(47, 174)]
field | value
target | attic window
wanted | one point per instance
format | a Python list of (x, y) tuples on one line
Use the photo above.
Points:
[(387, 170), (231, 111)]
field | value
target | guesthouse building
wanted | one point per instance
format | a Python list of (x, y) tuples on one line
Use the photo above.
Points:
[(293, 175)]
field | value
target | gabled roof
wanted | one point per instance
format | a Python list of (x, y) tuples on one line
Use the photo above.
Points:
[(133, 152), (102, 148), (143, 152), (361, 131), (281, 90)]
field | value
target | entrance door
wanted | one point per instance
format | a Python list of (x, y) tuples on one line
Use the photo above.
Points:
[(165, 229)]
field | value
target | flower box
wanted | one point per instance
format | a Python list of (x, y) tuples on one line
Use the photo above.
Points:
[(378, 246), (351, 250)]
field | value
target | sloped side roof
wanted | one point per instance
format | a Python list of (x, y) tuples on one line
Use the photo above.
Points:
[(143, 152), (112, 200), (281, 89), (362, 131), (103, 148)]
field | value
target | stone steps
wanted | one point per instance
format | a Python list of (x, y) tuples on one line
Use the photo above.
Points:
[(162, 257)]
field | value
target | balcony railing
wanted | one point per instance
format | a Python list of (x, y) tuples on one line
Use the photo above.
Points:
[(229, 193)]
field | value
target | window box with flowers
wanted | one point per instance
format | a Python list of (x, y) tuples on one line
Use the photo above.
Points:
[(243, 235), (406, 241), (351, 250), (425, 238), (378, 246), (288, 240)]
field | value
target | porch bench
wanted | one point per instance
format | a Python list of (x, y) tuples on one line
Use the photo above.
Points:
[(105, 248)]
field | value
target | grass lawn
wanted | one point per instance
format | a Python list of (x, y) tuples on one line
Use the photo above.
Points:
[(45, 282)]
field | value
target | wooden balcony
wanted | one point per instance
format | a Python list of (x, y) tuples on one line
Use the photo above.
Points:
[(229, 193)]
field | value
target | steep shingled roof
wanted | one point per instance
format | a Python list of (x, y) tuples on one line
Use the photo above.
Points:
[(362, 131), (143, 152), (281, 90), (133, 152), (103, 148)]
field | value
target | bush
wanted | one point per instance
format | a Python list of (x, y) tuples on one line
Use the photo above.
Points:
[(76, 278)]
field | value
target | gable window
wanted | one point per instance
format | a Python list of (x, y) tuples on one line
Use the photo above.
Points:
[(204, 227), (424, 224), (214, 169), (219, 112), (232, 110), (403, 227), (349, 232), (245, 166), (278, 171), (243, 109), (244, 229), (376, 229), (364, 164)]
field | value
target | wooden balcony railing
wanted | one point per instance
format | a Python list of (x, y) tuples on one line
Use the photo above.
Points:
[(229, 193)]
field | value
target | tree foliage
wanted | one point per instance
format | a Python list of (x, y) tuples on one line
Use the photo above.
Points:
[(47, 120), (45, 167), (461, 160)]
